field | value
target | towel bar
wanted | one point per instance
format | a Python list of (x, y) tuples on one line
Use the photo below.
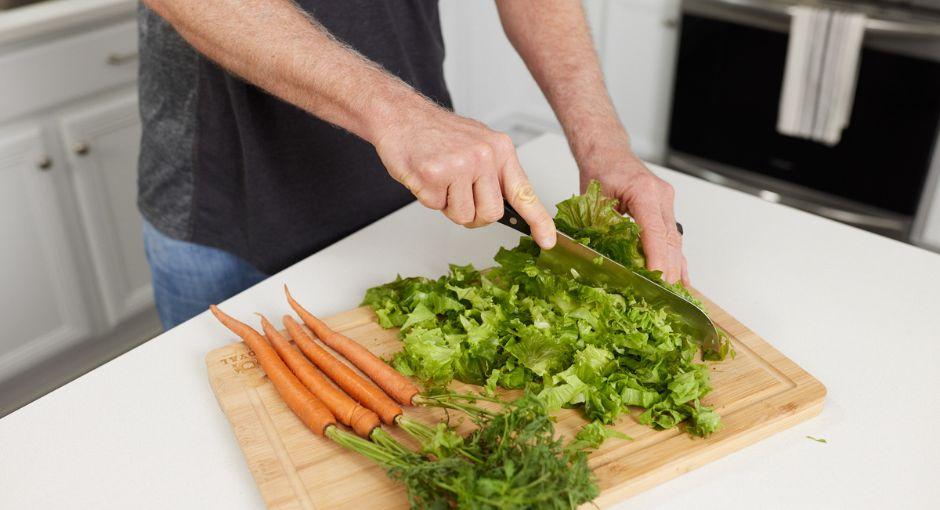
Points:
[(774, 15)]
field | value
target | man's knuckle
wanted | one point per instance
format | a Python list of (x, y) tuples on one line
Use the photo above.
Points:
[(655, 231), (491, 214), (645, 181), (483, 152), (435, 202), (674, 239), (667, 189), (431, 197), (464, 214), (648, 185), (456, 161), (503, 142), (429, 169)]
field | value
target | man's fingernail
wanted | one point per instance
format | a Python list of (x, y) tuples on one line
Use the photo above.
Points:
[(548, 241)]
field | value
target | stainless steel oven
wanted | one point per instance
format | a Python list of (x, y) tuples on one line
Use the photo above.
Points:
[(726, 96), (12, 4)]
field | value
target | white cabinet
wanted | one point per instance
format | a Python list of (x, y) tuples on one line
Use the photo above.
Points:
[(41, 305), (640, 44), (50, 73), (74, 281), (102, 142)]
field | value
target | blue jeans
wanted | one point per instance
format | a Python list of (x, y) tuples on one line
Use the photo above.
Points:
[(188, 277)]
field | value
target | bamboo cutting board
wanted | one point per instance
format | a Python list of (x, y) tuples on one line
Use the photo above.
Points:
[(758, 393)]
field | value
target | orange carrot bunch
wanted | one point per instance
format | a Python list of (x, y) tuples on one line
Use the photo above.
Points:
[(357, 403)]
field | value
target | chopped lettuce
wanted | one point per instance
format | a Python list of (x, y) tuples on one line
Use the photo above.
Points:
[(521, 326), (592, 435)]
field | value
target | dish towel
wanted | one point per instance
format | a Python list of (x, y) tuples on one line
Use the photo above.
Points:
[(821, 73)]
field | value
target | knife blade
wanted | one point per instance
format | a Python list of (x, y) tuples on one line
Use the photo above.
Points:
[(570, 257)]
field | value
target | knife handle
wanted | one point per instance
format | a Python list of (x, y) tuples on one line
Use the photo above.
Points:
[(513, 220)]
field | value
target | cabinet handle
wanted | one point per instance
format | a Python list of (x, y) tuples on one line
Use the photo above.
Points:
[(44, 163), (81, 148), (119, 59)]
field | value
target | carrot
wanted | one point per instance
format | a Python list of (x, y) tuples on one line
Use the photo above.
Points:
[(301, 401), (346, 410), (395, 384), (354, 384)]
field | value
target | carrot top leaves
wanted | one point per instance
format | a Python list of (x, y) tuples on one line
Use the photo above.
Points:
[(512, 460)]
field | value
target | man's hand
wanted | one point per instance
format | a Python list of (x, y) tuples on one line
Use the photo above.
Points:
[(553, 39), (461, 167), (648, 199)]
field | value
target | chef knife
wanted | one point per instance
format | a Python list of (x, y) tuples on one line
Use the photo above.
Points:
[(570, 257)]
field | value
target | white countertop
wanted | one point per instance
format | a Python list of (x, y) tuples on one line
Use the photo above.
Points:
[(859, 312)]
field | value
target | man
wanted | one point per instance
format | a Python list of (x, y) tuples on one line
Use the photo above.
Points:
[(291, 125)]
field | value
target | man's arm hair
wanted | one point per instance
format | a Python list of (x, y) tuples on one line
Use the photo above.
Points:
[(553, 38), (278, 47), (449, 163)]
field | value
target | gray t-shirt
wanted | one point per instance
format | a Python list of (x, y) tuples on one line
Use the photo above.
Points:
[(227, 165)]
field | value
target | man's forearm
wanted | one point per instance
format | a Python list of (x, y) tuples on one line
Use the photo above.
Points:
[(274, 45), (449, 163), (553, 38)]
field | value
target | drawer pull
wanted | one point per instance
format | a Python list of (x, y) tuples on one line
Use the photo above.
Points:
[(119, 59), (44, 163), (81, 148)]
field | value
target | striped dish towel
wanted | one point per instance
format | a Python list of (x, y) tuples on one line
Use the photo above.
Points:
[(821, 73)]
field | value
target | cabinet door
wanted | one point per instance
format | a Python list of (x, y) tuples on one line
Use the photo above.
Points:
[(640, 46), (41, 307), (102, 141)]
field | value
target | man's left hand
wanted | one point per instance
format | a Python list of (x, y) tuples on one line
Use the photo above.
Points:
[(648, 199)]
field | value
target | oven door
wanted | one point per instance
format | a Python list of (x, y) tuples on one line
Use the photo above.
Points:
[(723, 126)]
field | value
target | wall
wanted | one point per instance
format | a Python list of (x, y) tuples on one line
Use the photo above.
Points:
[(636, 41)]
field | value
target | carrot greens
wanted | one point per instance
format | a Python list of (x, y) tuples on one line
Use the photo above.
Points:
[(511, 460)]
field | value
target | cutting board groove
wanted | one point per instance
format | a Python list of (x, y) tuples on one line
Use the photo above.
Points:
[(758, 393)]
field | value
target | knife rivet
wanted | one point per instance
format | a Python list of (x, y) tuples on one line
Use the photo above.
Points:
[(513, 221)]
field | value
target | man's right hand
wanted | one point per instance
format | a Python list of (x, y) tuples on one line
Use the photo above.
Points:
[(450, 163), (461, 167)]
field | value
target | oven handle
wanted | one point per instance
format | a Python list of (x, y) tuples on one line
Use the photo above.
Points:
[(754, 10), (883, 222)]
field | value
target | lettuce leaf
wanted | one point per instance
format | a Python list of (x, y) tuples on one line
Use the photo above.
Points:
[(593, 219), (592, 435)]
